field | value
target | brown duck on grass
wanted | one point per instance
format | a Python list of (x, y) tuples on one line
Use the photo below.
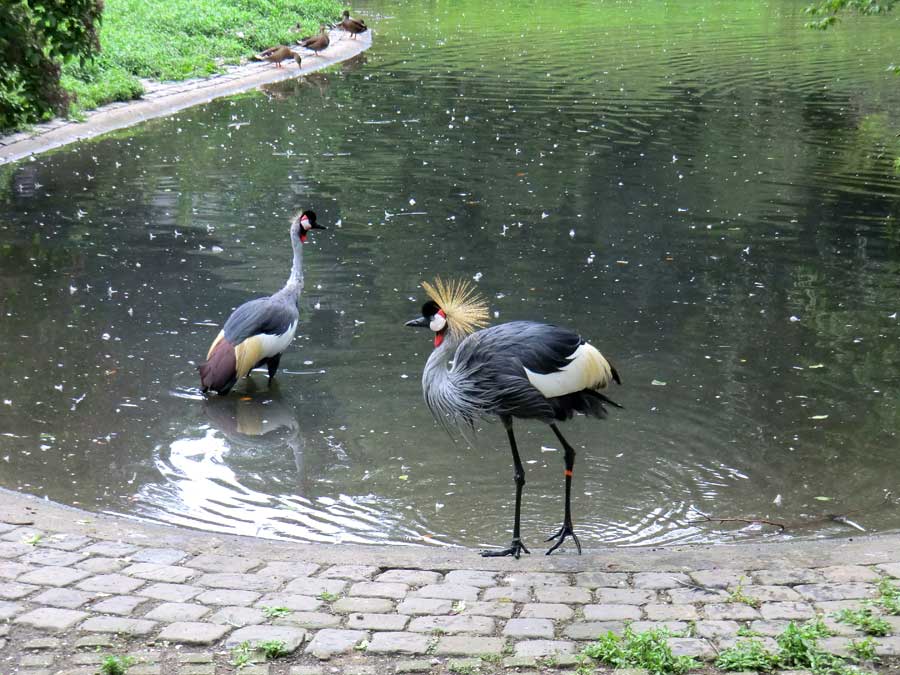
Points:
[(278, 54), (316, 43), (352, 26)]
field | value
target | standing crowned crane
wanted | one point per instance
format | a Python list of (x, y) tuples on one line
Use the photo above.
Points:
[(260, 330), (518, 369)]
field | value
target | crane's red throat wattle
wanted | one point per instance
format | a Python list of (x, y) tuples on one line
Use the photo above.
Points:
[(438, 339)]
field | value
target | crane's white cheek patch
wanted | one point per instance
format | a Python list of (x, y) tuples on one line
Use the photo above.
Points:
[(587, 369), (437, 323)]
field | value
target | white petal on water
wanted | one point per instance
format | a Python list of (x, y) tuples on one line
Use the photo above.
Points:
[(105, 336), (544, 214), (412, 202), (572, 233), (478, 276), (777, 500), (794, 319)]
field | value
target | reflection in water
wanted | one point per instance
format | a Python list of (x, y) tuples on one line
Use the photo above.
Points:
[(705, 189)]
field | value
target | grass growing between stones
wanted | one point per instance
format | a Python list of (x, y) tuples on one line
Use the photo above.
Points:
[(180, 39), (272, 649), (275, 612), (865, 621), (888, 598), (115, 665), (649, 650)]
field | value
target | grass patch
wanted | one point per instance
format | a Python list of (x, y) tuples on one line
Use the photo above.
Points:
[(747, 655), (241, 655), (865, 621), (272, 649), (275, 612), (649, 650), (180, 39), (863, 650), (888, 594), (115, 665), (738, 595), (328, 597)]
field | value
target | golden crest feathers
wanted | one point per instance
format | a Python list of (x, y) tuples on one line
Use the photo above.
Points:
[(465, 308)]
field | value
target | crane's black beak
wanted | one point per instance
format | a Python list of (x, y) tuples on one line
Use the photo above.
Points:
[(316, 226), (421, 322)]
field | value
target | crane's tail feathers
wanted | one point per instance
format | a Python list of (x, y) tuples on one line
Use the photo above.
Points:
[(218, 371), (604, 398)]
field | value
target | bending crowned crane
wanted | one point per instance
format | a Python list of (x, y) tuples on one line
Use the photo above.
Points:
[(518, 369), (260, 330)]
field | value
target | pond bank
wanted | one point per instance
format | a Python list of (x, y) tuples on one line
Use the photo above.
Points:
[(77, 587), (165, 98)]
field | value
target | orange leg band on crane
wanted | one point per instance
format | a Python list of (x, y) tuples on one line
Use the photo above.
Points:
[(568, 473)]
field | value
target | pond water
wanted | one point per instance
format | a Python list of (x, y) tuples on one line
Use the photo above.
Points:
[(703, 189)]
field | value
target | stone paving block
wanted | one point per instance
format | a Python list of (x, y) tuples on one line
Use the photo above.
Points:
[(13, 549), (660, 580), (66, 541), (148, 669), (288, 570), (424, 606), (362, 605), (94, 642), (477, 578), (115, 624), (519, 662), (210, 669), (314, 586), (686, 596), (771, 593), (169, 612), (734, 611), (536, 579), (330, 641), (244, 582), (36, 661), (119, 604), (43, 643), (351, 572), (767, 643), (238, 616), (412, 666), (716, 578), (447, 592), (601, 579), (377, 589), (675, 628), (410, 577), (300, 603), (195, 657), (159, 556), (456, 645), (786, 610), (671, 612), (538, 648), (170, 592), (307, 670), (51, 618), (153, 572), (222, 596), (887, 646), (768, 628), (63, 597), (696, 647), (826, 592), (528, 628), (11, 570), (50, 575), (837, 605), (612, 612), (291, 636), (84, 659), (787, 577), (591, 630), (891, 569), (311, 620), (841, 574), (394, 622), (716, 630), (624, 596), (193, 632), (508, 593), (553, 611), (13, 590), (110, 549), (101, 565), (503, 610), (213, 562), (114, 584), (836, 627), (480, 625), (836, 645), (398, 643), (50, 556), (568, 595)]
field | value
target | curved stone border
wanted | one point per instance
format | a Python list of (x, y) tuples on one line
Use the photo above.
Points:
[(77, 586), (168, 97)]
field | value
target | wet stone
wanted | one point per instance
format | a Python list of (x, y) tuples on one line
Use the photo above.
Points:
[(502, 610), (238, 616), (123, 625), (351, 572), (479, 578), (63, 597), (671, 612), (624, 596), (376, 589), (193, 632), (110, 549), (244, 582), (51, 575), (110, 583), (563, 594), (169, 612), (660, 580), (120, 604), (392, 622), (508, 593), (786, 610), (214, 562), (601, 579), (787, 577), (288, 570), (49, 556), (330, 641), (311, 620), (153, 572), (398, 643), (726, 579), (841, 574), (362, 605), (528, 628), (536, 579), (772, 593), (539, 648), (545, 611), (159, 556), (170, 592), (686, 596), (100, 565), (452, 624), (66, 542), (457, 645), (424, 606), (315, 587), (221, 596), (300, 603), (827, 592), (447, 591), (409, 577), (53, 619)]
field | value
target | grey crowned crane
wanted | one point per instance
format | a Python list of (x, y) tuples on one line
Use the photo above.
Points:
[(520, 369), (260, 330)]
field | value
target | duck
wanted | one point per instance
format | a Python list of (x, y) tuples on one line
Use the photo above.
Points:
[(352, 26), (278, 54), (316, 43)]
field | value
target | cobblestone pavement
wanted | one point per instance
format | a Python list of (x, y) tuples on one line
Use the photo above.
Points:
[(77, 587), (165, 98)]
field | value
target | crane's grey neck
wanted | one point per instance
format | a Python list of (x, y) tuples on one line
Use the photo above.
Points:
[(294, 285), (446, 395)]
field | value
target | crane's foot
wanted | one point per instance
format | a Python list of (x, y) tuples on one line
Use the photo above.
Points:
[(563, 532), (516, 548)]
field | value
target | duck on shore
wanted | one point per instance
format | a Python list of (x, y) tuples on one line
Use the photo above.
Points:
[(278, 54), (316, 43)]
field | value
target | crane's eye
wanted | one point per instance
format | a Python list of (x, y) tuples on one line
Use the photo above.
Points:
[(438, 322)]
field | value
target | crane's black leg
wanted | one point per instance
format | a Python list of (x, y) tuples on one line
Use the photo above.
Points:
[(272, 365), (516, 548), (566, 529)]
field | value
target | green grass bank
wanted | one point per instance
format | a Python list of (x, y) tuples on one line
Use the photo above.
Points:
[(181, 39)]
